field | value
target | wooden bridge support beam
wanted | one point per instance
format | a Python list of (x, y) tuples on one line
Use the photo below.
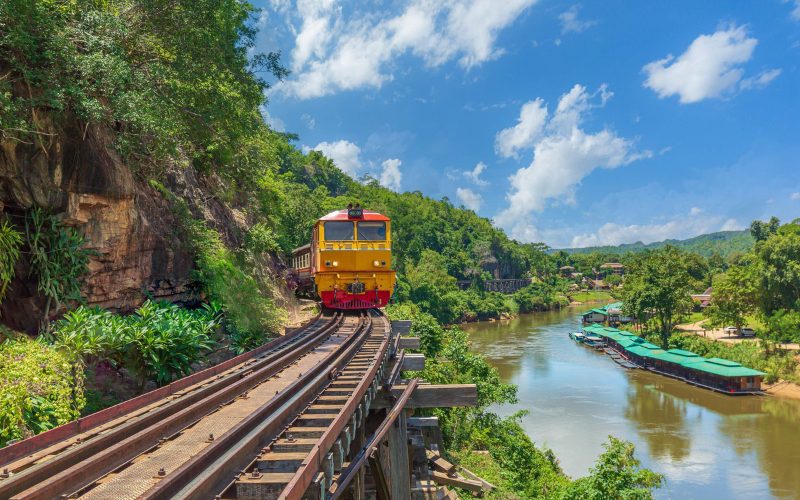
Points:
[(399, 473)]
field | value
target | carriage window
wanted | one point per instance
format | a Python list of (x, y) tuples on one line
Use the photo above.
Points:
[(338, 231), (371, 231)]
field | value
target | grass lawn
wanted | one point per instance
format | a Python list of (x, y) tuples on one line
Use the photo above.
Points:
[(591, 296)]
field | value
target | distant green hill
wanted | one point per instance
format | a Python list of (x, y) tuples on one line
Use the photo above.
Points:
[(724, 243)]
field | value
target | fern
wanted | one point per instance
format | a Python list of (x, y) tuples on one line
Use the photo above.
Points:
[(10, 242)]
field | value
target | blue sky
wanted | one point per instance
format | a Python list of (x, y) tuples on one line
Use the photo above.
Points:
[(572, 123)]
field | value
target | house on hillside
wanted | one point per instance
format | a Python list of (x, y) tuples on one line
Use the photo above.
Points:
[(610, 314), (596, 284), (703, 299), (566, 271), (612, 268)]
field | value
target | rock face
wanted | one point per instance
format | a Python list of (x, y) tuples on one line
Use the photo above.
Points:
[(73, 171)]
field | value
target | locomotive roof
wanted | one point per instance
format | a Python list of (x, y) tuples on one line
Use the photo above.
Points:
[(342, 215)]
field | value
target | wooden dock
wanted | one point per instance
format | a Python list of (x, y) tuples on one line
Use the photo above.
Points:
[(620, 359)]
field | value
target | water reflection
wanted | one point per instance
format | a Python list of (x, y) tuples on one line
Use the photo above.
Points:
[(707, 445), (659, 417)]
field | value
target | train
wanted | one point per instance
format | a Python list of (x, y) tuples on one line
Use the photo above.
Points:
[(348, 263)]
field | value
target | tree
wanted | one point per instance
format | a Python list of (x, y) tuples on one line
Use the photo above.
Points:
[(733, 297), (616, 474), (763, 230), (658, 284), (778, 266)]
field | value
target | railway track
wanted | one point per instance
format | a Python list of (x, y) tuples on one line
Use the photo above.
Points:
[(195, 443)]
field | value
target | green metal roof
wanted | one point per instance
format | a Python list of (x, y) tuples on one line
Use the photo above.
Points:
[(639, 346), (678, 359), (683, 352), (596, 310), (725, 368), (644, 350)]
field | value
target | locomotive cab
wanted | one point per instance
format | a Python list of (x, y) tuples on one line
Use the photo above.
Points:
[(351, 259)]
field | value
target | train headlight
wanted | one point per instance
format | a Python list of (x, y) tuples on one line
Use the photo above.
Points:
[(327, 263), (335, 263), (377, 263)]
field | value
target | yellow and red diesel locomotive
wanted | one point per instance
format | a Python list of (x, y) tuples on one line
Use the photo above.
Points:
[(348, 263)]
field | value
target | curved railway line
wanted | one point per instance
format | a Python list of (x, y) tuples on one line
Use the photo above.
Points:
[(285, 421)]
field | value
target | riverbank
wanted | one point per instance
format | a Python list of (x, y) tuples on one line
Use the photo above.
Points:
[(576, 396)]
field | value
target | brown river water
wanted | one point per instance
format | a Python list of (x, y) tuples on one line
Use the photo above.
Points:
[(707, 445)]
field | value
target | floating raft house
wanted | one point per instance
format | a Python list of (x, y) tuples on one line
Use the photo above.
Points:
[(718, 374)]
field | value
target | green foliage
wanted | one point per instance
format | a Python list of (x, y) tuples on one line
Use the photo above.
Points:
[(172, 78), (783, 326), (761, 231), (531, 472), (251, 315), (616, 474), (658, 283), (36, 389), (10, 243), (162, 341), (261, 239), (58, 258), (777, 258), (733, 297), (159, 342)]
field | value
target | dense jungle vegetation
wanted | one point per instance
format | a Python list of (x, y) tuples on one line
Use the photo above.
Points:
[(175, 84), (759, 289)]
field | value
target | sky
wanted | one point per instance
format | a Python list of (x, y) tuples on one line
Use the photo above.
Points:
[(572, 123)]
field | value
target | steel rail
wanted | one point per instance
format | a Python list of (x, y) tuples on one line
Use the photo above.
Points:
[(206, 473), (347, 475), (58, 438), (313, 462), (80, 465)]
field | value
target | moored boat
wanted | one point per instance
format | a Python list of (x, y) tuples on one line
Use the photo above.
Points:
[(577, 337)]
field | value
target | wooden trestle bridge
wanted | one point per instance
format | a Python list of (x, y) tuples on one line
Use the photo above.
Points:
[(502, 286), (321, 413)]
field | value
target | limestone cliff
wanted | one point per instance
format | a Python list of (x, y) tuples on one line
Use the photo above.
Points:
[(73, 171)]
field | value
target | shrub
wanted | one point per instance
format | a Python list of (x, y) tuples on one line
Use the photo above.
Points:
[(159, 342), (10, 241), (36, 389), (250, 313), (58, 258)]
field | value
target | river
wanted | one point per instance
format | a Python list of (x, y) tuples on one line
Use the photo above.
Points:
[(707, 445)]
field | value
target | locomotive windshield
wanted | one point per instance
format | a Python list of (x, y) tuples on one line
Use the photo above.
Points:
[(339, 231), (371, 231)]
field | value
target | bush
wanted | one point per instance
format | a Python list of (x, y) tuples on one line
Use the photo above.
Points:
[(58, 258), (159, 342), (250, 313), (37, 389), (616, 474), (10, 241)]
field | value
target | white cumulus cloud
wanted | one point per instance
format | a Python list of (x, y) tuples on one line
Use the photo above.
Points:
[(571, 23), (469, 198), (711, 67), (532, 118), (612, 233), (344, 153), (563, 154), (391, 176), (334, 52), (795, 196), (475, 174), (761, 80), (795, 15)]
